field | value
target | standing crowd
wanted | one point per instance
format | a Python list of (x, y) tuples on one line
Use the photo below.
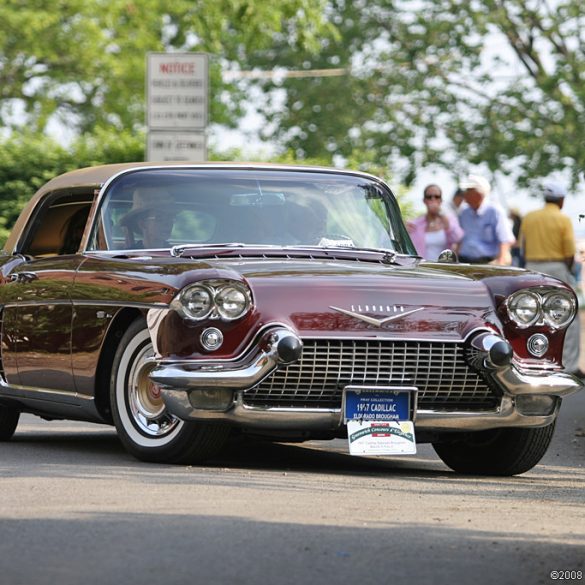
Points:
[(480, 232)]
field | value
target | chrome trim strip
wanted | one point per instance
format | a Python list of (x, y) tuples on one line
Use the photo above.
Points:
[(331, 419), (36, 303), (48, 394), (121, 304), (97, 304), (377, 337)]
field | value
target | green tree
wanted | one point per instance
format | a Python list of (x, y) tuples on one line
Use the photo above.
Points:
[(83, 61), (28, 161), (448, 82)]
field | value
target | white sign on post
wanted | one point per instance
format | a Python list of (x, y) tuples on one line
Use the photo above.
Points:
[(177, 106), (175, 146)]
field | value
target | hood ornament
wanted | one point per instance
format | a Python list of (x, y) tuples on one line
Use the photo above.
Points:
[(398, 312)]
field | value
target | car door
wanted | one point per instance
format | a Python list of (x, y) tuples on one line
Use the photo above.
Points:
[(42, 317), (38, 311)]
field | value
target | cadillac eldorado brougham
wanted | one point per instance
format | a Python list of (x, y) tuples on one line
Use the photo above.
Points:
[(182, 303)]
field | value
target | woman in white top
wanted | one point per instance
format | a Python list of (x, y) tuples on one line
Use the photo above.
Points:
[(434, 231)]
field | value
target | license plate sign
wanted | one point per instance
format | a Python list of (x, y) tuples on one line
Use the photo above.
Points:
[(365, 405)]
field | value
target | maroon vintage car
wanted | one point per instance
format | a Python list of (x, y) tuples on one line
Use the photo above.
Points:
[(182, 303)]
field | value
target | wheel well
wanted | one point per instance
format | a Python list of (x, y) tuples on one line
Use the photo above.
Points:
[(117, 328)]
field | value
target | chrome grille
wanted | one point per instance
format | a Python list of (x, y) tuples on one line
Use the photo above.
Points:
[(438, 370)]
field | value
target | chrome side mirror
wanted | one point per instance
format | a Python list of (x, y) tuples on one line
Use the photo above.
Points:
[(448, 257)]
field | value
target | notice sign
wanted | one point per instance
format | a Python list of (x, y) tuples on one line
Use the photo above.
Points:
[(177, 91)]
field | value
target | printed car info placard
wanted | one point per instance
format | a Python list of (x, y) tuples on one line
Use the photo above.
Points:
[(379, 420), (381, 438)]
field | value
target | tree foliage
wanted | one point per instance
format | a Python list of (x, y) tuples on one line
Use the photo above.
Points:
[(448, 82), (83, 61), (28, 161), (457, 83)]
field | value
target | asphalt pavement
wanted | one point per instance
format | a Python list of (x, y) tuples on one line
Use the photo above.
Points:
[(76, 509)]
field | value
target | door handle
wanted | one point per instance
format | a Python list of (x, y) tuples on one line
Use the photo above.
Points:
[(23, 277)]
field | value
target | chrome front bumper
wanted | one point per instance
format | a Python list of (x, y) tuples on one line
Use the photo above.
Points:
[(279, 347)]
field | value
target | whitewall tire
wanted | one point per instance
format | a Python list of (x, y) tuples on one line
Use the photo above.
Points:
[(146, 428)]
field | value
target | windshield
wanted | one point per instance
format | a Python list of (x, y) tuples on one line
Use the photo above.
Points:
[(161, 208)]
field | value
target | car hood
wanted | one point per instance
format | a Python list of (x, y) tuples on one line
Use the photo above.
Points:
[(327, 297), (318, 296)]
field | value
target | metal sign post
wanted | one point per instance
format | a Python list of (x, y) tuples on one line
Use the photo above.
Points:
[(177, 106)]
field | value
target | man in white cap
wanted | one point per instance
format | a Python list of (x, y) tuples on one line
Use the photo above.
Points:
[(487, 233), (547, 238)]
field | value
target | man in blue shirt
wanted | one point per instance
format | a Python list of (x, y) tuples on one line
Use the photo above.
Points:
[(488, 235)]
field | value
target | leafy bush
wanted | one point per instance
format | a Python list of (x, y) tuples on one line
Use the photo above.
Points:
[(28, 161)]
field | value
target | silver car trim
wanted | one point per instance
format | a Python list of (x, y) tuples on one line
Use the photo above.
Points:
[(179, 379), (121, 305), (331, 419)]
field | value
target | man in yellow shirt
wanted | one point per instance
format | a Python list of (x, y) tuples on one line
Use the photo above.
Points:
[(547, 238)]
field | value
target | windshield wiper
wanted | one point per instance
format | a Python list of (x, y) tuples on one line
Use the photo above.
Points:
[(178, 250), (388, 256)]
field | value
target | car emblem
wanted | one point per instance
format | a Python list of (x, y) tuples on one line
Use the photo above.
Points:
[(398, 312)]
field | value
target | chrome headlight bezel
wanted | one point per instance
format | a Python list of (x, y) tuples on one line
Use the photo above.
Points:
[(231, 302), (543, 299), (217, 291), (185, 301), (513, 307), (547, 309)]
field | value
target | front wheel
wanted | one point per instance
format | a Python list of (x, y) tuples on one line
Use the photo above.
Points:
[(8, 422), (501, 452), (145, 427)]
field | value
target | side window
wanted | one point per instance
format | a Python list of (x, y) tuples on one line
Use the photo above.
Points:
[(58, 226), (74, 228)]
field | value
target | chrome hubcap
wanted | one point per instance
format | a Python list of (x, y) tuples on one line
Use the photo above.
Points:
[(144, 398)]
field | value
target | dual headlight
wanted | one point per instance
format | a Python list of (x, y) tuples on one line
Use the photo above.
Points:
[(554, 307), (214, 299)]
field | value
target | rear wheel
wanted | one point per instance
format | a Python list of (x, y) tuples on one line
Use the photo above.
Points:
[(496, 452), (8, 422), (146, 428)]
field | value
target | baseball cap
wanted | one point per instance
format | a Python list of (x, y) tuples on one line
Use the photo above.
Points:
[(552, 190), (478, 183)]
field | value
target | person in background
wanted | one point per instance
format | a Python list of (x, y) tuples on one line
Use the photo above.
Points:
[(516, 221), (487, 236), (435, 230), (547, 238), (578, 272), (457, 203)]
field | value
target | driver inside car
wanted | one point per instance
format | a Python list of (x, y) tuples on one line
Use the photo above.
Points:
[(151, 216)]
